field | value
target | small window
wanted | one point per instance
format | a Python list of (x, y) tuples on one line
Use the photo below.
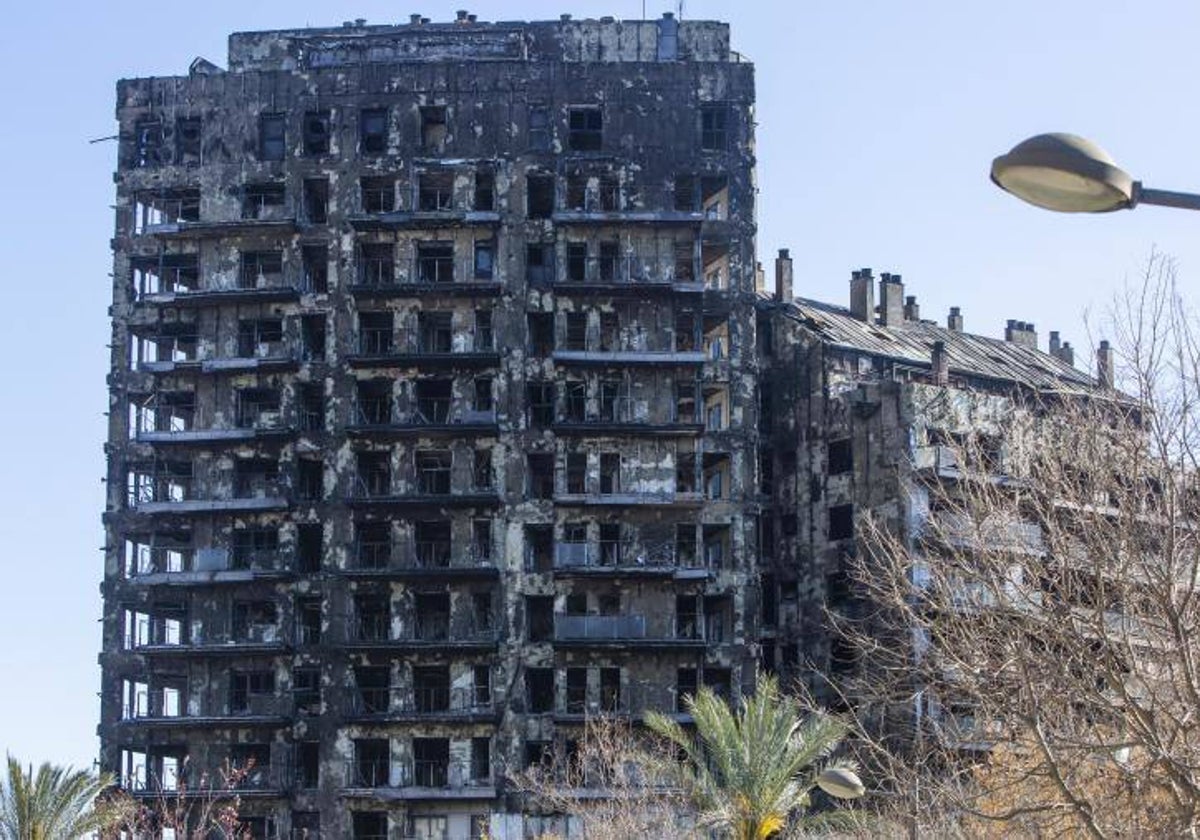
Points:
[(435, 262), (316, 200), (714, 127), (372, 131), (187, 140), (433, 128), (150, 151), (485, 189), (585, 128), (539, 128), (272, 137), (378, 194), (539, 198), (315, 260), (316, 133), (841, 456), (841, 522), (435, 192), (485, 259)]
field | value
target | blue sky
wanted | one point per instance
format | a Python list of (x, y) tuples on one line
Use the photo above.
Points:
[(877, 122)]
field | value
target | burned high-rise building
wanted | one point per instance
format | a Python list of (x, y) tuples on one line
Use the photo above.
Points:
[(433, 411)]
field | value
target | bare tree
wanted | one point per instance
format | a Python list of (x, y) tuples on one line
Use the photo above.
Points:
[(1028, 634), (208, 809)]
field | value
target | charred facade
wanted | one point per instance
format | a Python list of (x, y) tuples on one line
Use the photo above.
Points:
[(434, 411)]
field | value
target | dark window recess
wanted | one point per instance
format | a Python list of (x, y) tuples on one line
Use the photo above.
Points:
[(841, 456), (687, 195), (306, 682), (576, 478), (308, 621), (539, 263), (541, 475), (541, 332), (765, 407), (610, 262), (485, 259), (539, 553), (371, 825), (316, 200), (714, 127), (433, 471), (539, 690), (435, 262), (261, 270), (308, 548), (842, 656), (374, 402), (576, 193), (376, 264), (149, 148), (686, 685), (485, 189), (481, 762), (539, 128), (585, 128), (310, 398), (540, 399), (375, 333), (769, 603), (482, 469), (577, 261), (317, 131), (373, 131), (312, 337), (433, 128), (435, 333), (435, 192), (308, 765), (610, 194), (539, 196), (310, 479), (485, 338), (576, 333), (576, 691), (256, 337), (433, 400), (272, 137), (187, 140), (263, 201), (315, 259), (841, 522), (766, 473), (378, 194)]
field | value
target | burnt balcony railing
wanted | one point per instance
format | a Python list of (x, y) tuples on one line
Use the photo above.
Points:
[(423, 700), (612, 554), (599, 627), (618, 270), (427, 627)]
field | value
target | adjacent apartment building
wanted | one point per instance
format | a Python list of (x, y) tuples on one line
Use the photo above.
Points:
[(434, 412)]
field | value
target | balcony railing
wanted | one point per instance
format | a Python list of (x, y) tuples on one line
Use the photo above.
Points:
[(612, 554), (599, 626), (624, 271), (423, 700), (435, 627), (421, 773)]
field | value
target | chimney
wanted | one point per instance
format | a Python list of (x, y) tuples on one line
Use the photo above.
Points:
[(912, 312), (940, 364), (783, 276), (891, 300), (668, 38), (1055, 343), (415, 19), (360, 22), (461, 15), (1021, 334), (1067, 353), (862, 295), (564, 17), (954, 321), (1104, 365)]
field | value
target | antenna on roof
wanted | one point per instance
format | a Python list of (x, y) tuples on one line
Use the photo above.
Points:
[(679, 10)]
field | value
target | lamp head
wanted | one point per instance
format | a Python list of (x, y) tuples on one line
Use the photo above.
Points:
[(1066, 173)]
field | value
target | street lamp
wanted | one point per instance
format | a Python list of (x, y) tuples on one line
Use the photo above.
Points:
[(1069, 174)]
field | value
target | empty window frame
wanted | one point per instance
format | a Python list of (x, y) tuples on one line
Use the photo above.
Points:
[(372, 545), (373, 131), (310, 408), (433, 401), (149, 149), (374, 474), (541, 332), (539, 128), (312, 337), (435, 191), (540, 399), (433, 471), (188, 137), (378, 194), (434, 128), (841, 456), (576, 331), (263, 201), (539, 195), (435, 333), (485, 339), (315, 267), (259, 338), (540, 468), (485, 190), (272, 137), (375, 333), (317, 129), (165, 207), (435, 262), (539, 263), (585, 124), (316, 200), (841, 522), (485, 259), (714, 127), (261, 270), (376, 264), (577, 262)]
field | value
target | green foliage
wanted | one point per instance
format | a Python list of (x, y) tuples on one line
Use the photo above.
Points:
[(748, 771), (55, 803)]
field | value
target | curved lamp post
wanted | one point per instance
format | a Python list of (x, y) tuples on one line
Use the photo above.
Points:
[(1069, 174)]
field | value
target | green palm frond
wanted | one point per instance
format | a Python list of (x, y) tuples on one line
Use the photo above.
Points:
[(53, 803)]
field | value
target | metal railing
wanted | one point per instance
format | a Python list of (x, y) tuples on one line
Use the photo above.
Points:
[(599, 626), (612, 554), (434, 627), (423, 700), (624, 270)]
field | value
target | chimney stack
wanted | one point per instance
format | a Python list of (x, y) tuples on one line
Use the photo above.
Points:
[(415, 19), (940, 364), (954, 321), (783, 276), (760, 278), (891, 300), (1104, 365), (862, 295), (1055, 343), (461, 15), (912, 312), (1021, 334)]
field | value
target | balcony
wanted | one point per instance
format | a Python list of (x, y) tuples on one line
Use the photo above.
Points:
[(368, 493), (178, 500), (620, 559), (436, 631), (622, 276), (208, 566), (376, 353), (450, 277), (424, 703), (212, 638), (624, 415), (272, 357), (417, 779), (632, 352), (612, 631), (421, 560), (431, 417), (164, 429), (630, 498)]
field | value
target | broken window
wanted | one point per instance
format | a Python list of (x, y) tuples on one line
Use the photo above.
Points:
[(481, 770), (686, 198), (539, 263), (539, 196), (378, 194), (766, 473), (165, 207), (539, 128), (433, 471), (372, 545), (272, 137), (308, 767), (685, 261), (539, 613), (306, 683), (308, 620), (149, 147), (433, 400), (260, 338), (256, 478), (716, 475), (610, 262), (481, 472), (263, 201), (376, 266), (255, 548), (310, 479), (433, 128), (372, 614), (435, 333), (576, 195), (187, 140), (435, 191), (577, 259), (315, 260), (374, 473), (484, 337), (841, 456), (576, 332), (610, 473), (610, 544), (432, 616), (372, 768), (540, 399), (258, 408), (576, 691), (481, 541), (714, 197), (686, 685), (432, 542), (685, 545), (766, 402), (435, 262), (720, 682), (317, 131), (261, 270), (841, 522), (485, 259), (715, 416), (373, 131), (375, 333), (310, 398), (252, 692), (576, 477), (431, 688), (716, 545), (574, 401), (685, 401), (714, 127), (685, 472), (485, 189), (316, 200), (539, 690), (609, 193), (716, 337), (610, 332), (610, 690), (482, 398), (374, 402), (687, 330), (374, 688), (585, 128), (312, 337)]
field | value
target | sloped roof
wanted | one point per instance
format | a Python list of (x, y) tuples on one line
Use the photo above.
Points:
[(969, 355)]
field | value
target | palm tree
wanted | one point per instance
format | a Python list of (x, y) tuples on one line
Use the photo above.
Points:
[(55, 803), (748, 770)]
